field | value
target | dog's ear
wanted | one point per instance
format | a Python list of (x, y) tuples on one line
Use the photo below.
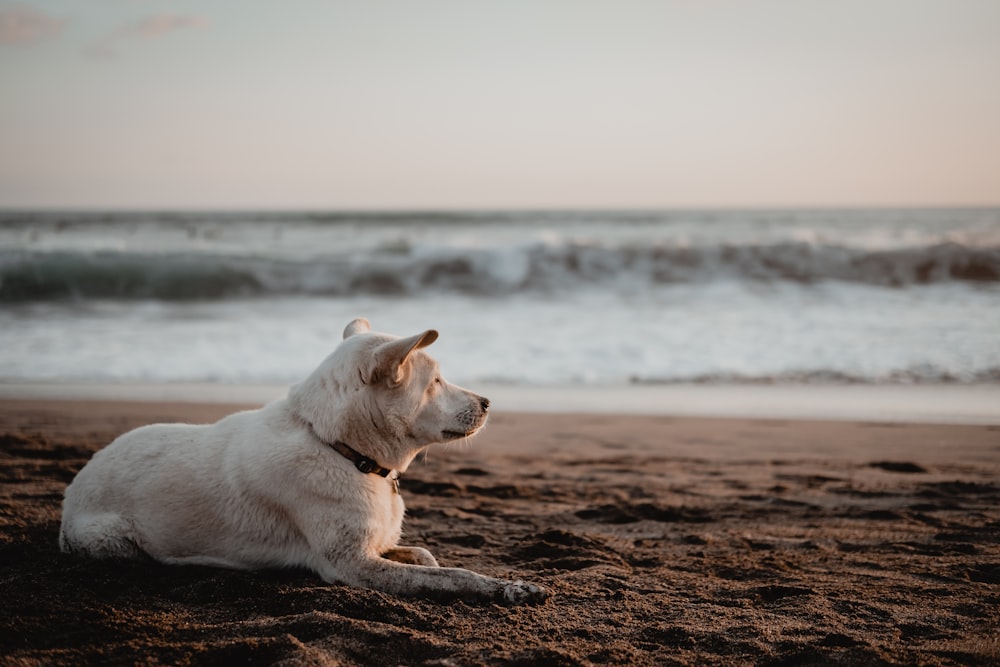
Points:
[(390, 358), (359, 325)]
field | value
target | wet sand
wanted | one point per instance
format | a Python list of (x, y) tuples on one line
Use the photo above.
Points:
[(663, 540)]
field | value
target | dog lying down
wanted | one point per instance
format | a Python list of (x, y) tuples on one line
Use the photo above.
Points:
[(308, 480)]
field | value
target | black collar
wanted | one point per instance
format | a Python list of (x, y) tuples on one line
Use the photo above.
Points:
[(360, 461)]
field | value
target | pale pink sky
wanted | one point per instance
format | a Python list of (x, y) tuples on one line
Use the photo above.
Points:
[(515, 104)]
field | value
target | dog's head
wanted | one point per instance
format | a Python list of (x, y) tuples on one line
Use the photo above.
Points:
[(386, 394)]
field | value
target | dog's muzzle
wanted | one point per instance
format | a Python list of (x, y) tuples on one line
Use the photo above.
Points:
[(470, 421)]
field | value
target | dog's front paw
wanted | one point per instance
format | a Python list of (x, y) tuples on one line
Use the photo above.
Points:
[(519, 592)]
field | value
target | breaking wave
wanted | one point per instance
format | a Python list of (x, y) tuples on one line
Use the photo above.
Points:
[(535, 268)]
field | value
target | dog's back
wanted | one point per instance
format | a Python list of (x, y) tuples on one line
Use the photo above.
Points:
[(115, 507)]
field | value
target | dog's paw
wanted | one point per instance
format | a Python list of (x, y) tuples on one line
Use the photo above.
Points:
[(519, 592)]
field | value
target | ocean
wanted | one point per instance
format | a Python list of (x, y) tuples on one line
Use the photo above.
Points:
[(603, 299)]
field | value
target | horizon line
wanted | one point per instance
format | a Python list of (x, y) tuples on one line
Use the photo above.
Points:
[(485, 211)]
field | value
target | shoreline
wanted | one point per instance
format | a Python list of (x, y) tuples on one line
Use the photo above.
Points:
[(928, 404), (536, 436)]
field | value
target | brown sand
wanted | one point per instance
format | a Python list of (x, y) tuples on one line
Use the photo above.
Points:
[(664, 541)]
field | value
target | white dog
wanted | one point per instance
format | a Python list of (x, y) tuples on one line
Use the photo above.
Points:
[(308, 480)]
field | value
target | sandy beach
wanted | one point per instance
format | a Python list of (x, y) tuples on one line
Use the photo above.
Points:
[(664, 540)]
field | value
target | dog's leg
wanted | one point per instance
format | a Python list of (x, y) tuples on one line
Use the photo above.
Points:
[(437, 582), (339, 553), (411, 556)]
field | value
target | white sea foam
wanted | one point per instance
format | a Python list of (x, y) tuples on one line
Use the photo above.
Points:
[(718, 333)]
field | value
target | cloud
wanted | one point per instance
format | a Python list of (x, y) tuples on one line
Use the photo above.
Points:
[(24, 25), (148, 28)]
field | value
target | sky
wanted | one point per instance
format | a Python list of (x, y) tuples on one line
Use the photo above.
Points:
[(468, 104)]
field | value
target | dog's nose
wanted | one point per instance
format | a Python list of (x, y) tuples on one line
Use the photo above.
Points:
[(485, 402)]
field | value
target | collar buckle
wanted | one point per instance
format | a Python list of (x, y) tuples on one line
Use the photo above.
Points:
[(361, 462)]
